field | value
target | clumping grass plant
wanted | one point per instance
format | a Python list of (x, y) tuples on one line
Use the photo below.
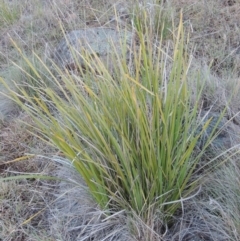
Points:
[(129, 132)]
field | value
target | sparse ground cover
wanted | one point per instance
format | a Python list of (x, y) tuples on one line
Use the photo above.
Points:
[(36, 208)]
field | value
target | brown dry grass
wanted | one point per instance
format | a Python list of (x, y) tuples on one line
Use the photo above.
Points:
[(22, 199), (215, 29)]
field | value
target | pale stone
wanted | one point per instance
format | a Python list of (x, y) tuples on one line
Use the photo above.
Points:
[(100, 41)]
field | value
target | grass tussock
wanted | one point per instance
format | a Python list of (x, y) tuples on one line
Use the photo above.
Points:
[(145, 169), (131, 137)]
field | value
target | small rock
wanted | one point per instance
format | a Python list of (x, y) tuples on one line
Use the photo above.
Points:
[(100, 41)]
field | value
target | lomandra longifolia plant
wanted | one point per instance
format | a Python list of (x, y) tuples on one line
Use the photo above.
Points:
[(129, 132)]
